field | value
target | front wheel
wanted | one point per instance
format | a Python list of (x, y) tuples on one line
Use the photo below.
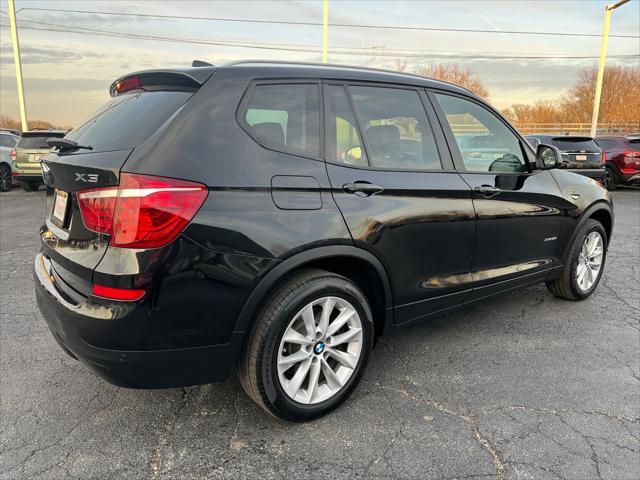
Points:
[(309, 346), (585, 263), (609, 180), (30, 186)]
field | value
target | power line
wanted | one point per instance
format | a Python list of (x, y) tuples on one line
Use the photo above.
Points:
[(283, 47), (315, 24)]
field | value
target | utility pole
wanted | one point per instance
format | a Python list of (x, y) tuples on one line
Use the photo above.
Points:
[(18, 64), (603, 55), (325, 30)]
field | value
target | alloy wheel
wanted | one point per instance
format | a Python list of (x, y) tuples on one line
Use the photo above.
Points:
[(608, 178), (5, 178), (589, 261), (320, 350)]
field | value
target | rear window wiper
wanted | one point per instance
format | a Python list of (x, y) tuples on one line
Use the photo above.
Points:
[(64, 144)]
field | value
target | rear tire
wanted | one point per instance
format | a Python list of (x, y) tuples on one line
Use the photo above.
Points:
[(291, 324), (610, 181), (5, 177), (30, 186), (578, 279)]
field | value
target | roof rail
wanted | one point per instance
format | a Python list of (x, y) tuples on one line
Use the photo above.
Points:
[(337, 65)]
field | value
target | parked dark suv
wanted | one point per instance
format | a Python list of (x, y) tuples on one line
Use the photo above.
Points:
[(274, 219), (580, 155), (623, 160)]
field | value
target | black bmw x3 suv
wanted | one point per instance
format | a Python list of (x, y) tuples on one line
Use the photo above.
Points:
[(274, 219)]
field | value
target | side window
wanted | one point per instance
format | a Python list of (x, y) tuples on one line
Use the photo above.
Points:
[(286, 117), (533, 141), (485, 142), (7, 141), (606, 144), (396, 128), (343, 140)]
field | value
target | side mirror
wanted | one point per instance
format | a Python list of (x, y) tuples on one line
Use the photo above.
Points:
[(547, 156)]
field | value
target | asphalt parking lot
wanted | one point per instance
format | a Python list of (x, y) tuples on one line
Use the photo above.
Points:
[(525, 386)]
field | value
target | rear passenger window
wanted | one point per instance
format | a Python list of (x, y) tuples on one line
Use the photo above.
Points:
[(343, 140), (396, 128), (286, 117)]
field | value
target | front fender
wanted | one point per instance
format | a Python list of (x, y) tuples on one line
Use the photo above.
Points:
[(595, 210)]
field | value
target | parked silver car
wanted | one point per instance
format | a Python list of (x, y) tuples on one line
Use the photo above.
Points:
[(8, 141)]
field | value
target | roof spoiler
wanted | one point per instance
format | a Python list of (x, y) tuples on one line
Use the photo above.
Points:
[(155, 79), (571, 138), (201, 63)]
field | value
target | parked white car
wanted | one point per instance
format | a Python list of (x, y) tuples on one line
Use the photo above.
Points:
[(8, 141)]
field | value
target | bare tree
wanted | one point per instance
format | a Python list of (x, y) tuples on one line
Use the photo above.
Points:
[(452, 73), (7, 122), (542, 111), (620, 101)]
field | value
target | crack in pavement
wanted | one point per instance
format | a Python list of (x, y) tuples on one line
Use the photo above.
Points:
[(557, 412), (383, 455), (157, 463), (472, 423), (618, 361)]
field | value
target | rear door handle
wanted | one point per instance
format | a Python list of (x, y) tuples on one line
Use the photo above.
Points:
[(487, 190), (363, 189)]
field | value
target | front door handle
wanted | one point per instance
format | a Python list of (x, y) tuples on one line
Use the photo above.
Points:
[(363, 189), (487, 190)]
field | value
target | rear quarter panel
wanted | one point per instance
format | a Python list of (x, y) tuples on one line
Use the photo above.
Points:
[(239, 234)]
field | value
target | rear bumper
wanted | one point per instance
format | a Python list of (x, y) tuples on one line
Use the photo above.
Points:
[(27, 170), (595, 173), (630, 178), (71, 323)]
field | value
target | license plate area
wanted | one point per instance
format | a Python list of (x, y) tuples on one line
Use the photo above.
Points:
[(60, 208), (581, 158)]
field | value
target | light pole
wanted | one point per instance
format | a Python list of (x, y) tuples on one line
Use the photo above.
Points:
[(603, 54), (325, 30), (18, 64)]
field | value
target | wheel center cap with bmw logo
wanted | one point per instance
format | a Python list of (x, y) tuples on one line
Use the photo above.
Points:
[(318, 348)]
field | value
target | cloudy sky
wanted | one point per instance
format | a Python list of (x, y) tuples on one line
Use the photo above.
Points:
[(67, 74)]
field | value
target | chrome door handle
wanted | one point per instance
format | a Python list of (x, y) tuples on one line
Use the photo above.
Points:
[(486, 190)]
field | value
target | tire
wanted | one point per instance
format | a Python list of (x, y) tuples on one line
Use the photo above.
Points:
[(261, 372), (570, 285), (5, 177), (610, 180), (30, 186)]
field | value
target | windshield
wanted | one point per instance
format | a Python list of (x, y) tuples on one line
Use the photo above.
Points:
[(128, 120), (568, 144)]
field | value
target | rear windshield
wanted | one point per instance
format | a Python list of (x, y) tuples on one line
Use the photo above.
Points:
[(578, 143), (128, 120), (36, 142)]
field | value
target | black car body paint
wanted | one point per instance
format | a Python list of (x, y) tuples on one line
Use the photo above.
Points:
[(429, 241)]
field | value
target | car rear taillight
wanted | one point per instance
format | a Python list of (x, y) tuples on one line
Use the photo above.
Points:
[(13, 153), (143, 212), (127, 84), (603, 159), (121, 294), (97, 207), (630, 161)]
